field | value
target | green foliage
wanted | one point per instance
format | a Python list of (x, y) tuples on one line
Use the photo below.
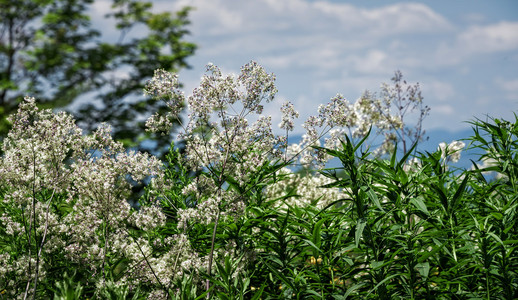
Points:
[(418, 231), (405, 226), (48, 49), (68, 289)]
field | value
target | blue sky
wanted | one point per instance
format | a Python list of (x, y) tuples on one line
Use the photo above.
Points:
[(464, 54)]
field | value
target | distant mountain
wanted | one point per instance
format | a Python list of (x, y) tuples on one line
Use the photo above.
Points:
[(435, 137), (438, 136)]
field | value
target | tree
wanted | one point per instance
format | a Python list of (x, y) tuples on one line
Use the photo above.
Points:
[(48, 49)]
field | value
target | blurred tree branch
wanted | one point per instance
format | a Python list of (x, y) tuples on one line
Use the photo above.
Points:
[(49, 49)]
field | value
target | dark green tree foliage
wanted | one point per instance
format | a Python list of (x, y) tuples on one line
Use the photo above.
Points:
[(49, 50)]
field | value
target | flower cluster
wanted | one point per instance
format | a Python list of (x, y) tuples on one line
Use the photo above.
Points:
[(451, 152), (164, 85), (48, 165), (307, 190), (162, 269), (338, 117), (288, 115), (66, 194), (221, 141)]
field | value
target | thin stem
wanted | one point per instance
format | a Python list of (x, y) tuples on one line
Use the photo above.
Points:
[(32, 224), (211, 254), (286, 148), (220, 184), (149, 265), (105, 233), (42, 243)]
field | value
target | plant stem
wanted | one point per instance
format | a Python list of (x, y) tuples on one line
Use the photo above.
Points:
[(211, 255)]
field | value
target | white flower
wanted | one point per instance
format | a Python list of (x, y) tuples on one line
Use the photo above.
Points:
[(451, 152), (288, 115)]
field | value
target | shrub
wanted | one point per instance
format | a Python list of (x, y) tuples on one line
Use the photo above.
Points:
[(230, 216)]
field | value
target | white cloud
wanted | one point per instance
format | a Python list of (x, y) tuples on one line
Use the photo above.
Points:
[(443, 110), (408, 17), (437, 90), (502, 36), (106, 26), (474, 18), (478, 40), (319, 48), (509, 86), (295, 19), (374, 61)]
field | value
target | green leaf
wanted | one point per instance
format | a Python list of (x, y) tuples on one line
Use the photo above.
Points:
[(381, 282), (426, 255), (460, 191), (279, 275), (313, 245), (374, 197), (360, 226), (353, 288), (494, 236), (316, 233), (419, 204), (377, 264), (423, 269)]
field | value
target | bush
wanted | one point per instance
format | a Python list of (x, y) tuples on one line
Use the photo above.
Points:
[(231, 216)]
